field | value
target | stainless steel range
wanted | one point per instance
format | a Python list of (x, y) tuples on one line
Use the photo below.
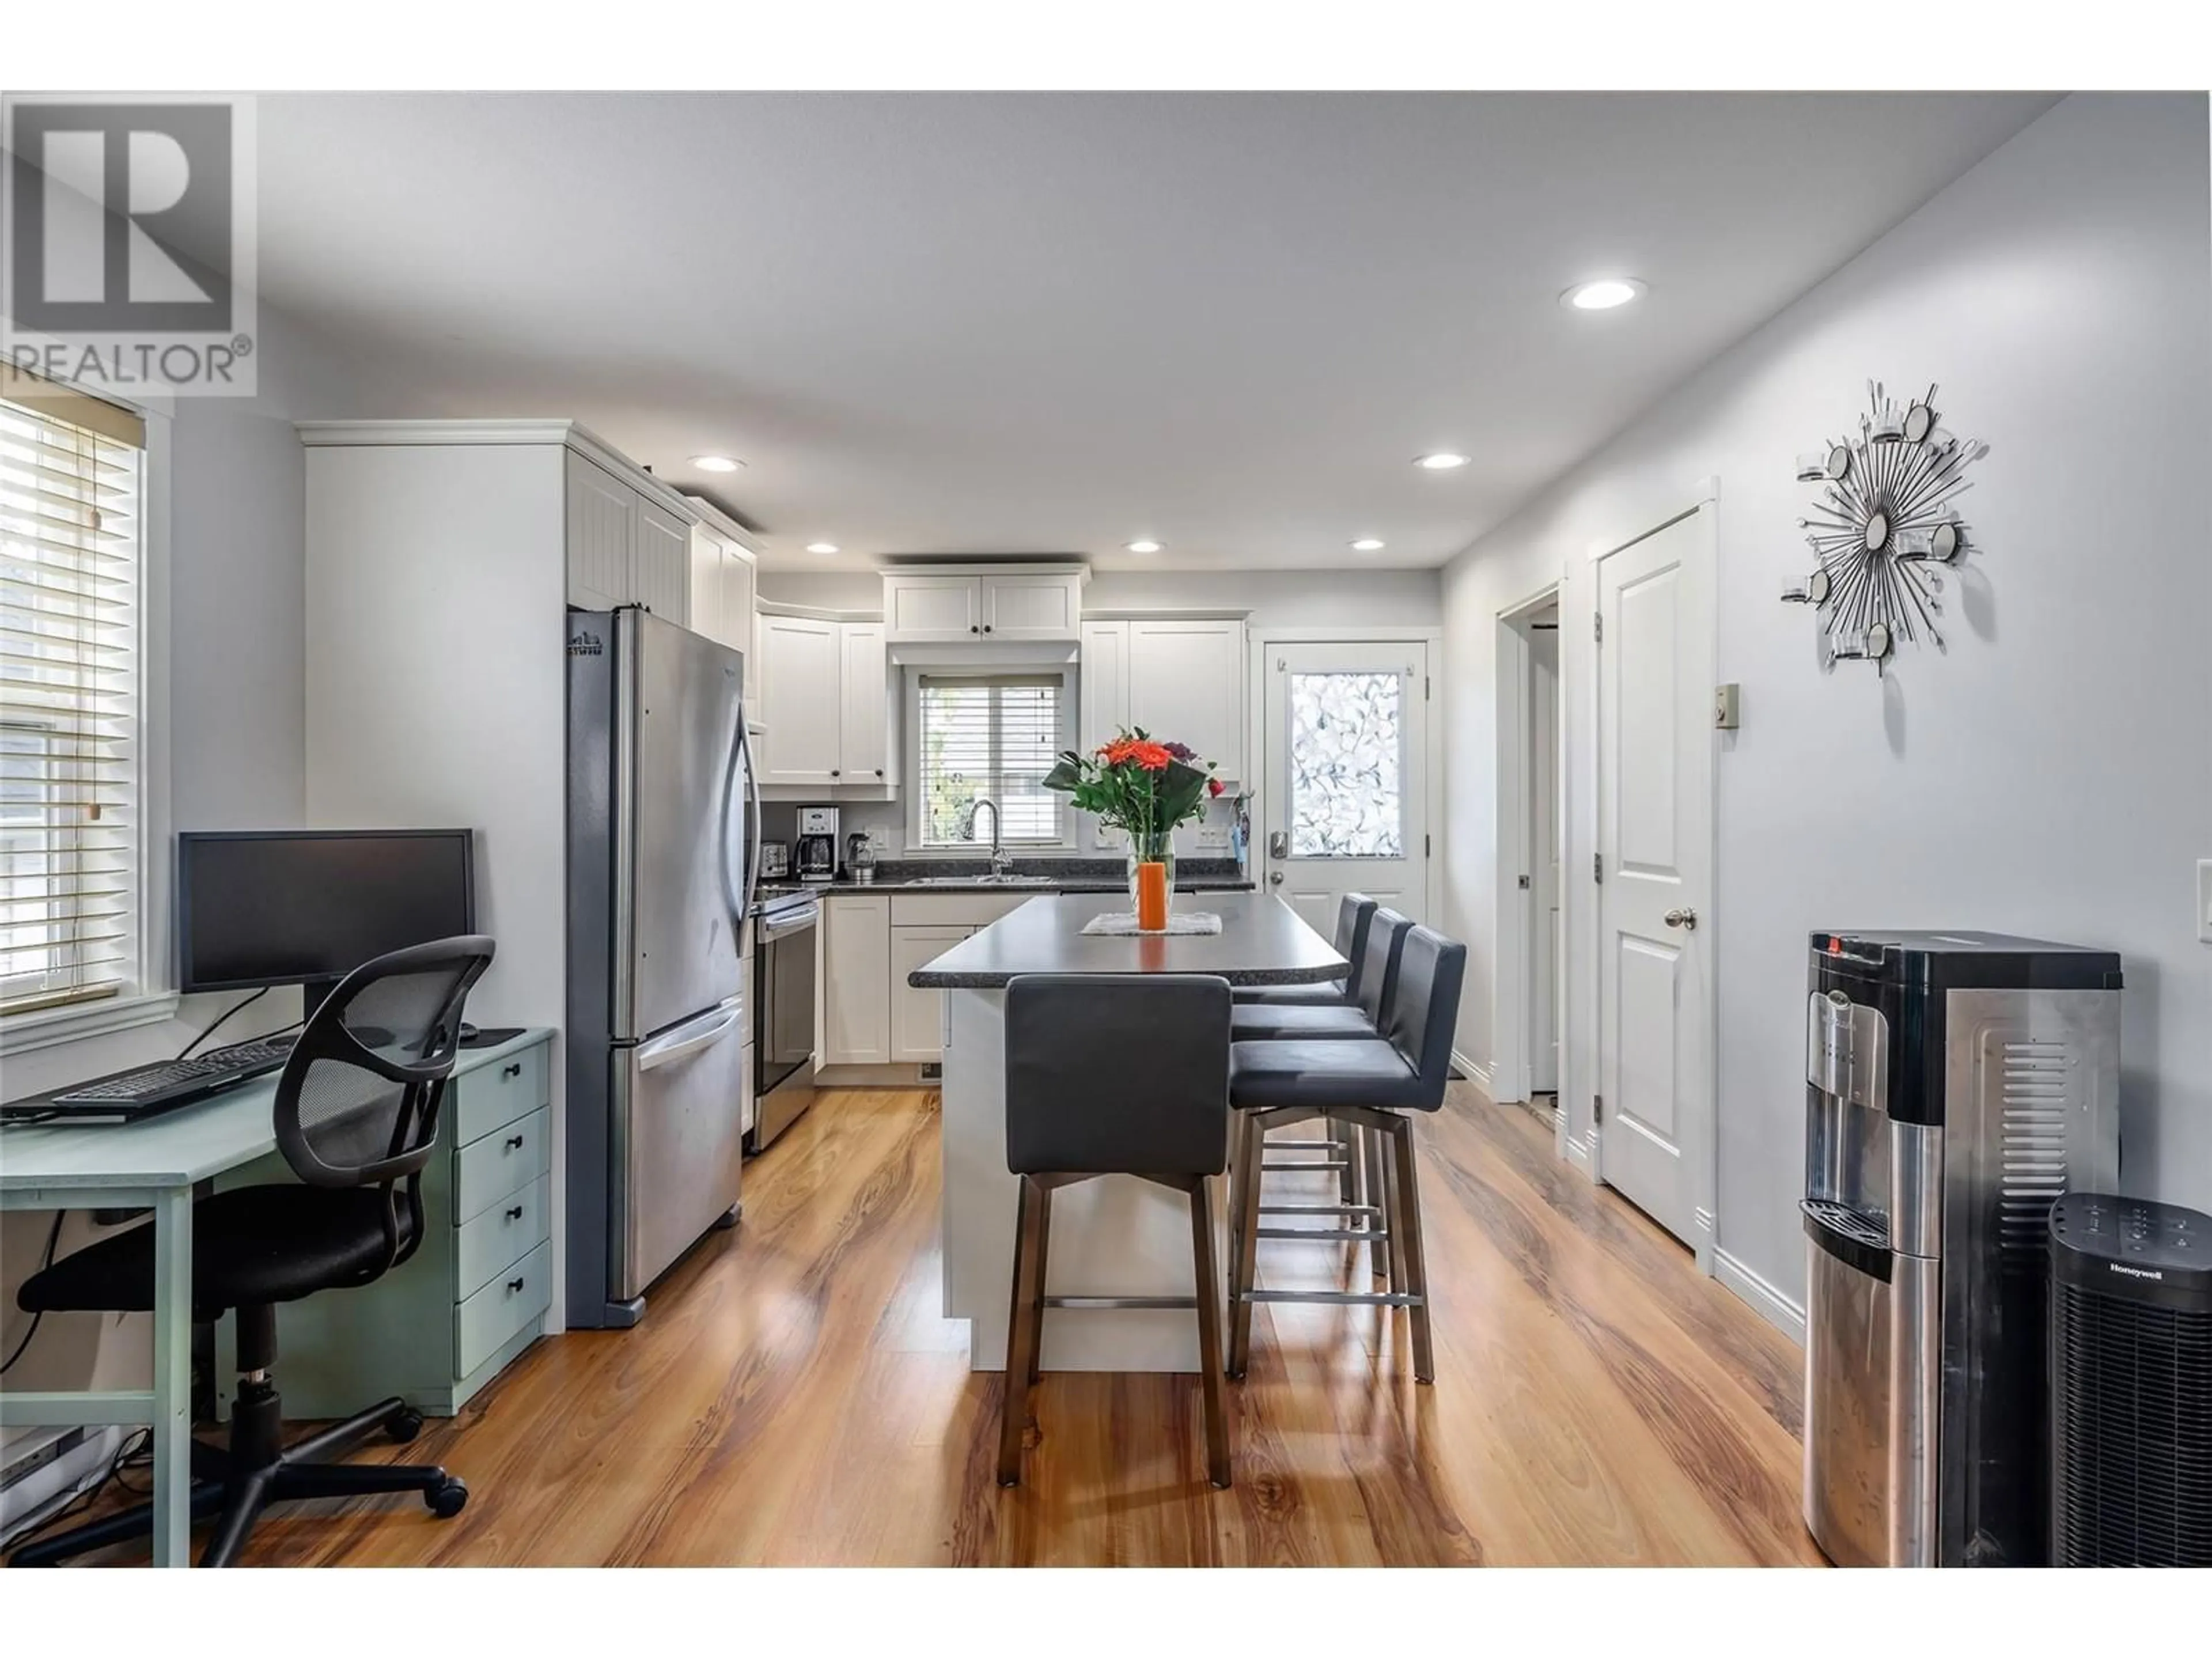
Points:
[(786, 934), (1957, 1083)]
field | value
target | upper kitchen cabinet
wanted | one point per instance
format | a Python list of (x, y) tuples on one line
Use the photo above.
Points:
[(629, 538), (825, 704), (1023, 604), (724, 568), (926, 609), (1180, 679), (800, 668)]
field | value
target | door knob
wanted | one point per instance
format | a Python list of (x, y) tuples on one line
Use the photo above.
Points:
[(1275, 877), (1685, 920)]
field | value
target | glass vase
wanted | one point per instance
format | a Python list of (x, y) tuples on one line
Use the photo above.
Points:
[(1156, 850)]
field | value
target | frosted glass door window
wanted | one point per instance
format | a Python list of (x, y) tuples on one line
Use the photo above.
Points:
[(1347, 749)]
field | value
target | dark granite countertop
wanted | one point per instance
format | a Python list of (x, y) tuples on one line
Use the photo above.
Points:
[(1090, 876), (1261, 942)]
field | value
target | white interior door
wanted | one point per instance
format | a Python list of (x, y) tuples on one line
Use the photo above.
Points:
[(1347, 790), (1544, 828), (1655, 791)]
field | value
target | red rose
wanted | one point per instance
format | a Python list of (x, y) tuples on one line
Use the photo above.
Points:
[(1214, 786)]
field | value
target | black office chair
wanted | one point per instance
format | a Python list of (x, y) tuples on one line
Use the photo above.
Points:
[(1114, 1074), (356, 1114), (1354, 911), (1370, 1086)]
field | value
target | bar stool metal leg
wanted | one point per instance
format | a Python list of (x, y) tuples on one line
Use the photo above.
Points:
[(1207, 1283), (1245, 1269), (1405, 1225), (1037, 1280), (1022, 1331), (1394, 1252)]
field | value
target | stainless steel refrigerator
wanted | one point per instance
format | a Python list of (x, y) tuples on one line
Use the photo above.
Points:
[(663, 842)]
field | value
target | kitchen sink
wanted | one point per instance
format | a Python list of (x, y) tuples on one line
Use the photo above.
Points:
[(983, 881)]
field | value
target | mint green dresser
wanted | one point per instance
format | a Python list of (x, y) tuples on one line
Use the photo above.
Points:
[(438, 1327)]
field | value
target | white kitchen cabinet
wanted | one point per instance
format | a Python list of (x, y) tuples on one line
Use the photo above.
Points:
[(660, 563), (917, 1033), (1102, 709), (1014, 605), (1186, 683), (724, 572), (864, 699), (602, 511), (923, 610), (1032, 607), (856, 952), (801, 674)]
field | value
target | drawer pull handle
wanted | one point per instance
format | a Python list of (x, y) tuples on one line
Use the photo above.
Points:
[(515, 1284), (516, 1214), (513, 1069), (514, 1143)]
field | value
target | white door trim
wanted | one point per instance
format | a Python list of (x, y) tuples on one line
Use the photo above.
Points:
[(1509, 1017), (1585, 1147), (1258, 639)]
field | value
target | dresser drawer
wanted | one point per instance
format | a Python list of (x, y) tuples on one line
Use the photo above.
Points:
[(487, 1169), (500, 1092), (510, 1228), (517, 1295)]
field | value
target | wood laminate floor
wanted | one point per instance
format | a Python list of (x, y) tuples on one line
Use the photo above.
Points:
[(792, 1397)]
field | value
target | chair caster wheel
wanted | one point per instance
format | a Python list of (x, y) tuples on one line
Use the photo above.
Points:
[(405, 1426), (447, 1501)]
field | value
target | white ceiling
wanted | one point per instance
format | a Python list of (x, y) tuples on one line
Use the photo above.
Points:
[(1052, 323)]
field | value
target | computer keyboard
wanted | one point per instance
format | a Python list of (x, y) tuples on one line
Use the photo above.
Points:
[(172, 1083)]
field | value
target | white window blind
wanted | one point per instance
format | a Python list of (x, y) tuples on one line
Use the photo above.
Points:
[(70, 546), (990, 738)]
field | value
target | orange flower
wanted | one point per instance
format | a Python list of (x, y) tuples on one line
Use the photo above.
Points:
[(1152, 756)]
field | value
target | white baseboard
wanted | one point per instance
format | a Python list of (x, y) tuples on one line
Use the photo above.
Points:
[(1778, 1310), (1479, 1073)]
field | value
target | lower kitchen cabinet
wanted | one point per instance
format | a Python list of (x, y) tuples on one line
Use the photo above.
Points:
[(438, 1327), (856, 954), (917, 1031)]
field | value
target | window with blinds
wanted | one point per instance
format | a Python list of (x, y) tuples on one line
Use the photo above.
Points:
[(990, 738), (71, 544)]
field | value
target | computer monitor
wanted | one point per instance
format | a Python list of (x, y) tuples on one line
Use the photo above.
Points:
[(306, 907)]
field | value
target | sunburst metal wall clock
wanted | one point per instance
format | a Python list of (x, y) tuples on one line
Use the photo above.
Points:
[(1885, 526)]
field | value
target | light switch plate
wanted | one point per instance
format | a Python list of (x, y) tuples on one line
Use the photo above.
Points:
[(2204, 900)]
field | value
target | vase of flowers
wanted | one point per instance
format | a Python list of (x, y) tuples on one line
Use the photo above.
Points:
[(1143, 788)]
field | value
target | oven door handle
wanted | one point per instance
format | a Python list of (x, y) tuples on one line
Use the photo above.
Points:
[(780, 928)]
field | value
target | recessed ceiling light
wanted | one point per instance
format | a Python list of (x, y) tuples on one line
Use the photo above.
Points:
[(716, 463), (1602, 296), (821, 547), (1144, 547), (1367, 544), (1442, 460)]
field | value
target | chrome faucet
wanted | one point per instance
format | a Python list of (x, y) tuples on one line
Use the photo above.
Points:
[(1001, 859)]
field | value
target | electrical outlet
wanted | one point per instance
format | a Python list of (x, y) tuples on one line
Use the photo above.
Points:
[(1213, 837), (2204, 900)]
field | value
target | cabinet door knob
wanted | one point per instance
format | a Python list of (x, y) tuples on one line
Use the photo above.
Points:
[(515, 1284), (987, 627), (879, 771), (513, 1069), (973, 628), (833, 772), (514, 1213), (514, 1143)]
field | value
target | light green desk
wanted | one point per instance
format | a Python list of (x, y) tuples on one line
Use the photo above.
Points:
[(154, 1165)]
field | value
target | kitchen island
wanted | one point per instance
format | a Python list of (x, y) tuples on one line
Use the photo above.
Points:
[(1116, 1236)]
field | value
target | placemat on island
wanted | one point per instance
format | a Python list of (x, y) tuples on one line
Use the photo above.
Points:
[(1123, 924)]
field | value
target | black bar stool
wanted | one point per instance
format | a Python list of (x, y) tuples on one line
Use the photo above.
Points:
[(1114, 1074), (1371, 1085), (1353, 1153), (1354, 912)]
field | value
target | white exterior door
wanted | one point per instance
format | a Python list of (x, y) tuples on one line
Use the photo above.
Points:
[(1347, 796), (1654, 793)]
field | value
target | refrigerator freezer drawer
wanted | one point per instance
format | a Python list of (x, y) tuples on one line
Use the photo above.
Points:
[(679, 1108)]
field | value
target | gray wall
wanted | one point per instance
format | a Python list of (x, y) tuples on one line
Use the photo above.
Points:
[(2053, 774)]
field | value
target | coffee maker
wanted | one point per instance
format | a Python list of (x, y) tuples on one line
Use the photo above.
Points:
[(817, 851)]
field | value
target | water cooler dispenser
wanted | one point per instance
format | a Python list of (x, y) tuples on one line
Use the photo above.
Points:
[(1957, 1083)]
